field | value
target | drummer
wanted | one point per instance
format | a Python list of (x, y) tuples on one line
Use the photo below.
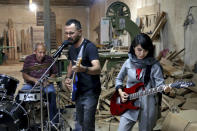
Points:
[(34, 67)]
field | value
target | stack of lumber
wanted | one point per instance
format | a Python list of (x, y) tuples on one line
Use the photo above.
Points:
[(37, 34), (12, 51), (108, 89), (160, 22), (26, 43), (147, 17), (121, 48), (63, 94)]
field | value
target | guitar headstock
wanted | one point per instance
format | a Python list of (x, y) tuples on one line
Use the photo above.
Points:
[(182, 84)]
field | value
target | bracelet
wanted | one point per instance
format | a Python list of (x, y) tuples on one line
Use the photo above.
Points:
[(86, 70)]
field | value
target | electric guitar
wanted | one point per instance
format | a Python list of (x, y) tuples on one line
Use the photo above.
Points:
[(74, 81), (118, 108)]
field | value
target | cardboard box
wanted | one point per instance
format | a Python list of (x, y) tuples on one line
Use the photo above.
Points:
[(185, 120)]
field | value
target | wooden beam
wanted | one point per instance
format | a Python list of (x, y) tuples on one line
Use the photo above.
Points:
[(158, 28)]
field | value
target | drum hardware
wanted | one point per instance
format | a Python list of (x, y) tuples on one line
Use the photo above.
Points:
[(60, 125), (62, 122), (34, 95), (4, 95)]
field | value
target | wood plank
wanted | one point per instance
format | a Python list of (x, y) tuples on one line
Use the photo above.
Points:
[(170, 55), (107, 93), (158, 28), (191, 103), (162, 15), (149, 10), (10, 44), (59, 35), (5, 41), (23, 41), (15, 45), (176, 54), (169, 69)]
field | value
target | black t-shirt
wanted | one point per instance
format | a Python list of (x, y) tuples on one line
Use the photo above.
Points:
[(86, 82)]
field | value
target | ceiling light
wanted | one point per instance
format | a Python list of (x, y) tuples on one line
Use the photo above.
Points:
[(32, 6)]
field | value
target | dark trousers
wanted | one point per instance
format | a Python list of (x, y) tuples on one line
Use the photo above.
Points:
[(85, 111)]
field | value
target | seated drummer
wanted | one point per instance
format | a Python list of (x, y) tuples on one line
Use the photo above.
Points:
[(34, 67)]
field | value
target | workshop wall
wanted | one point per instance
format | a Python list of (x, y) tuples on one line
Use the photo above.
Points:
[(22, 18), (172, 36)]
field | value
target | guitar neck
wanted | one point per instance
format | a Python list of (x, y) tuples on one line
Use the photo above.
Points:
[(73, 78), (146, 92)]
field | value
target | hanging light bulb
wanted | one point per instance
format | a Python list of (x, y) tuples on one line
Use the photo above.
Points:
[(32, 6)]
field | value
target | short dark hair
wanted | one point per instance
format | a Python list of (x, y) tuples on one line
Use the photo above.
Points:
[(74, 21), (145, 42)]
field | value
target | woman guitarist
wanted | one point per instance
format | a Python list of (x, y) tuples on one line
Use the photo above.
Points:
[(140, 67)]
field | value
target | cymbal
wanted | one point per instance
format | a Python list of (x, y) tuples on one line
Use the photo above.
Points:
[(56, 79)]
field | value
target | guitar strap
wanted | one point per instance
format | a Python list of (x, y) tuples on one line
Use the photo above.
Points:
[(82, 49)]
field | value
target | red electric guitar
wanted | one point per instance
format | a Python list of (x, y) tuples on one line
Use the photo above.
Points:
[(118, 108)]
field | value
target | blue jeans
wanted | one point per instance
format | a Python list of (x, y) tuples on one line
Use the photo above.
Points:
[(52, 99)]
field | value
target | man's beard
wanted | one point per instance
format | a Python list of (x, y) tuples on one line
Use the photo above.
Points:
[(75, 40)]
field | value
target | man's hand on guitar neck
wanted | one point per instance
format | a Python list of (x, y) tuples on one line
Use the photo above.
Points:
[(123, 95), (80, 68)]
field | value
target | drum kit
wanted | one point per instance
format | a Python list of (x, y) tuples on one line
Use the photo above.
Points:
[(10, 117), (22, 114)]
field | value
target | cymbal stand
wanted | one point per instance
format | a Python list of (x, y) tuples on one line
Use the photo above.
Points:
[(61, 120)]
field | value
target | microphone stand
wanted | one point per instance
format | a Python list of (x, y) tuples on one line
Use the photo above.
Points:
[(41, 80)]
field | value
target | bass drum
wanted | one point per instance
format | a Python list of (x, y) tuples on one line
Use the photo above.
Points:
[(13, 116), (8, 86)]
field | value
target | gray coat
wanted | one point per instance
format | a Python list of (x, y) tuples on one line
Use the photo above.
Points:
[(149, 108)]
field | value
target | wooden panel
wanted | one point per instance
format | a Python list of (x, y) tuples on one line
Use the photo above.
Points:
[(37, 34), (148, 16), (40, 22), (59, 35)]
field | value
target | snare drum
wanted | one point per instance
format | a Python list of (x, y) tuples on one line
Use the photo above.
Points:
[(8, 85), (34, 95)]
